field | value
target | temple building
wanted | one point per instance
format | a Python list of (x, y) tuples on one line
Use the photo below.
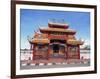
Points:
[(55, 41)]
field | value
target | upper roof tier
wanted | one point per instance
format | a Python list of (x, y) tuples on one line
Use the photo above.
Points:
[(58, 25), (50, 30)]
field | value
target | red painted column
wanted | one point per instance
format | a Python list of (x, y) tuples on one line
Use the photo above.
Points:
[(48, 47), (49, 36), (78, 52)]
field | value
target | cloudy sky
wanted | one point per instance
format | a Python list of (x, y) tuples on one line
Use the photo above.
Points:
[(31, 20)]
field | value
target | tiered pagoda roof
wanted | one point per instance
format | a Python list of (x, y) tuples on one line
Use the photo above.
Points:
[(59, 28)]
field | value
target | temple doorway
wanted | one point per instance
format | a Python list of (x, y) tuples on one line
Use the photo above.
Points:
[(55, 48)]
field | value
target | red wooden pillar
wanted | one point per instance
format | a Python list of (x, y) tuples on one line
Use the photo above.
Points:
[(48, 47), (67, 52), (78, 52), (49, 36)]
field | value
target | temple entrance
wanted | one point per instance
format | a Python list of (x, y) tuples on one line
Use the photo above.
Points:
[(55, 48)]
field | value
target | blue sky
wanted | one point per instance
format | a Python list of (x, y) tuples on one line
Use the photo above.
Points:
[(31, 20)]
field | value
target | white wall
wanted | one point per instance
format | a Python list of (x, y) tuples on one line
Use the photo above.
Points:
[(5, 39)]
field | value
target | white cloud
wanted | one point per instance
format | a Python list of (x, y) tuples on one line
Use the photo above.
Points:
[(86, 43), (25, 44)]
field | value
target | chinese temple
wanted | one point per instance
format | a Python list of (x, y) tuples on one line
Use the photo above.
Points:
[(55, 41)]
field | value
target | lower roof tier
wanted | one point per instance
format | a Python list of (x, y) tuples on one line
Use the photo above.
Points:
[(47, 41), (43, 41), (74, 42)]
